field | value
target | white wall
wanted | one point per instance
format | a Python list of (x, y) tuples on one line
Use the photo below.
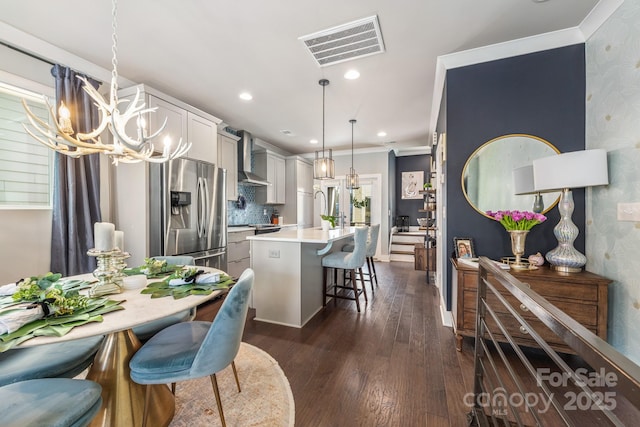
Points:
[(25, 235)]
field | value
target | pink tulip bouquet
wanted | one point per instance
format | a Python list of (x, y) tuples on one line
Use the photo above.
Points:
[(517, 220)]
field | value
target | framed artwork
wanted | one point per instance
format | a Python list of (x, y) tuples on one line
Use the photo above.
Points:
[(464, 247), (412, 183)]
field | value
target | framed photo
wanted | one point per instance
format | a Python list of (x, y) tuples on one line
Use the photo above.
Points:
[(464, 247), (412, 183)]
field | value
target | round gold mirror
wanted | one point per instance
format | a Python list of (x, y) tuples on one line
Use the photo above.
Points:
[(487, 176)]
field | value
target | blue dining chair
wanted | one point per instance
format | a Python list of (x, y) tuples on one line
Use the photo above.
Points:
[(349, 262), (57, 360), (196, 349), (372, 243), (60, 402), (146, 331)]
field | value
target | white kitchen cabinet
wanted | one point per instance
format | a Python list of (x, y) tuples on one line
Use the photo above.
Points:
[(228, 159), (272, 167), (183, 121), (299, 206), (238, 252), (202, 133)]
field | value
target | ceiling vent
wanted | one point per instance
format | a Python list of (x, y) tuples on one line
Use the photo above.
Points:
[(345, 42)]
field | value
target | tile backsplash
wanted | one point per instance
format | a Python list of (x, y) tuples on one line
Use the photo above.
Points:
[(253, 213)]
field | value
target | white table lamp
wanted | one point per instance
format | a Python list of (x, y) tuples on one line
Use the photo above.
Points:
[(563, 172)]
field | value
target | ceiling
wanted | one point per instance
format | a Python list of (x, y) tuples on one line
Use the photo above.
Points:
[(206, 52)]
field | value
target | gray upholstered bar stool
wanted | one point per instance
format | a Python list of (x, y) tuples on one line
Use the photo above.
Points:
[(349, 262), (372, 243), (146, 331)]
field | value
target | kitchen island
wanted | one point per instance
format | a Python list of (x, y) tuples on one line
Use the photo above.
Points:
[(288, 272)]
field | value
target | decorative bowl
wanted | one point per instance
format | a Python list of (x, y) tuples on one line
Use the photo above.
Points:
[(423, 222)]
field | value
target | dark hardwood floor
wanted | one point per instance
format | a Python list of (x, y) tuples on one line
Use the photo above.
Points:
[(393, 364)]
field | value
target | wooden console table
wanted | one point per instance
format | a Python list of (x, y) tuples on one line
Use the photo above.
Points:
[(582, 296)]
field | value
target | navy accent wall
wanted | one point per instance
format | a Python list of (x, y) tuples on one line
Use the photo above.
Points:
[(410, 207), (541, 94)]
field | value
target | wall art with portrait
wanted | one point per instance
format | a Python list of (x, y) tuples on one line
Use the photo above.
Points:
[(412, 183), (464, 247)]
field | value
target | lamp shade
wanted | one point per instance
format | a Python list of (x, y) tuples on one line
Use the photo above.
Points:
[(523, 180), (575, 169)]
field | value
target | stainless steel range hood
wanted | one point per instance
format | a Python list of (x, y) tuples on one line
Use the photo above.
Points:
[(245, 174)]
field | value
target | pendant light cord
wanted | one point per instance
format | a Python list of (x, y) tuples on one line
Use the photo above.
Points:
[(352, 123), (323, 90)]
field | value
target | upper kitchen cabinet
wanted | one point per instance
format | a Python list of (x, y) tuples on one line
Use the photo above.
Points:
[(271, 166), (228, 159), (183, 121)]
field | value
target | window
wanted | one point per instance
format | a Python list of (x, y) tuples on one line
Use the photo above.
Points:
[(25, 164)]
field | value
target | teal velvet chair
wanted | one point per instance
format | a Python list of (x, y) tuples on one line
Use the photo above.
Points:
[(57, 360), (196, 349), (349, 262), (146, 331), (372, 243), (60, 402)]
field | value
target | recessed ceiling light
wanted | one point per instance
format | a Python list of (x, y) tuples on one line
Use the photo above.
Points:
[(313, 141), (246, 96), (351, 74), (382, 133)]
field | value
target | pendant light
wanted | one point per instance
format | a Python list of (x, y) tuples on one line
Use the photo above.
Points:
[(323, 167), (353, 181)]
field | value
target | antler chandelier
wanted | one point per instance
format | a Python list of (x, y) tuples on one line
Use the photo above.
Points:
[(61, 137)]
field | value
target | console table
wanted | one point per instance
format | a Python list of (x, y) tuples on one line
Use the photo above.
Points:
[(582, 296)]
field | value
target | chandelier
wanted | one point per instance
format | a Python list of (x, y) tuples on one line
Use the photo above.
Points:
[(61, 137), (353, 181), (323, 167)]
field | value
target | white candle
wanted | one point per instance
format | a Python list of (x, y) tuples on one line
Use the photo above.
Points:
[(104, 236), (119, 240)]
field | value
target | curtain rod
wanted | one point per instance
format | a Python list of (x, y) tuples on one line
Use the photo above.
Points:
[(24, 52)]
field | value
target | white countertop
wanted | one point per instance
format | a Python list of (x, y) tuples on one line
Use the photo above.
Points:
[(305, 235), (231, 229), (239, 229)]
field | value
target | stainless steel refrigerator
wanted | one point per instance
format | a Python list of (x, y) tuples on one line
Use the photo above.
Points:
[(188, 211)]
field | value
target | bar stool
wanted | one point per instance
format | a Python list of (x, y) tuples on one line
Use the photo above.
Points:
[(59, 402), (146, 331), (349, 262), (372, 243)]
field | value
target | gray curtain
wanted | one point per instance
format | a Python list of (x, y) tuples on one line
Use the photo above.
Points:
[(76, 183)]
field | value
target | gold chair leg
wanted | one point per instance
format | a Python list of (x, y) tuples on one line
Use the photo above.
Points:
[(147, 399), (235, 374), (216, 391)]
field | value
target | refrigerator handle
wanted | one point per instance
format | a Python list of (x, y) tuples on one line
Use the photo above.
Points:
[(199, 204), (206, 206)]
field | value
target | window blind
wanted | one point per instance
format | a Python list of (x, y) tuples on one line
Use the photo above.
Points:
[(25, 164)]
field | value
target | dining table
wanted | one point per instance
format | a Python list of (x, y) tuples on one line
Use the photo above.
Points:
[(122, 399)]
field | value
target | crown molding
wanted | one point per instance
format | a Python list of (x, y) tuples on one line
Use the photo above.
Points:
[(541, 42)]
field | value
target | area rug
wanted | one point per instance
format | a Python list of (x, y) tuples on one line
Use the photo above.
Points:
[(265, 400)]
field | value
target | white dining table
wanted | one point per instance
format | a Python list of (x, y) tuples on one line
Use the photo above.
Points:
[(123, 399)]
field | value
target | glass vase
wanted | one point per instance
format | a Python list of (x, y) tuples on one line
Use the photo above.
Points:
[(518, 238)]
